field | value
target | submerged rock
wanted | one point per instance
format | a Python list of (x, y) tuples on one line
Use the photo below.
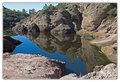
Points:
[(27, 66), (9, 44)]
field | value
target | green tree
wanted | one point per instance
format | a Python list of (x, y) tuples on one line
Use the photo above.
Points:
[(112, 12), (14, 10), (10, 17), (45, 7), (31, 11), (23, 10)]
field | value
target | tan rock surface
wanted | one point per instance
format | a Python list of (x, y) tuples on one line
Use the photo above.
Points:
[(27, 66)]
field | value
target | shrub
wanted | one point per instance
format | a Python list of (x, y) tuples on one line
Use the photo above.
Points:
[(50, 7), (112, 12)]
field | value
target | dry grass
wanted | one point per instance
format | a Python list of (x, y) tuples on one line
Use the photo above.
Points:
[(107, 50)]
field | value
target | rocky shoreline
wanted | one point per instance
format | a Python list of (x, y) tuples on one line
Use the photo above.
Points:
[(29, 66)]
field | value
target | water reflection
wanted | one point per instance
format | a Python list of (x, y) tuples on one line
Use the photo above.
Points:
[(72, 46)]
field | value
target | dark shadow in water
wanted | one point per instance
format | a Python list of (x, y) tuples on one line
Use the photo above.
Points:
[(80, 56)]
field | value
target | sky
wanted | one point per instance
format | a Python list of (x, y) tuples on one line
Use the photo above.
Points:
[(27, 6)]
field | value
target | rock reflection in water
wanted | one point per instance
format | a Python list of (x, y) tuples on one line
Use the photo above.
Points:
[(72, 46)]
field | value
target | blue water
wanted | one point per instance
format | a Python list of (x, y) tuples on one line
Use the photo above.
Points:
[(28, 47)]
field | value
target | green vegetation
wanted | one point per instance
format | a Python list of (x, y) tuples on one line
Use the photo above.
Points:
[(32, 11), (69, 6), (112, 12), (8, 31), (10, 17), (47, 8)]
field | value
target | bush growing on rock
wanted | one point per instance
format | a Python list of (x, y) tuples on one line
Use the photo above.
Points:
[(112, 13)]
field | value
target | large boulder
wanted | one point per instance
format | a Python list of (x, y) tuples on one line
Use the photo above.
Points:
[(62, 22), (63, 29), (62, 16), (9, 44), (93, 14), (20, 29), (108, 26), (27, 66), (33, 28), (107, 72), (43, 23), (100, 72)]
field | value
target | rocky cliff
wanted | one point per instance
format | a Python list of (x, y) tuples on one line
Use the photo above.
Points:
[(68, 18), (93, 14)]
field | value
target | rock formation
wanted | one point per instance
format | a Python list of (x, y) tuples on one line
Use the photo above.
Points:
[(27, 66), (93, 14), (69, 18), (9, 44), (107, 72)]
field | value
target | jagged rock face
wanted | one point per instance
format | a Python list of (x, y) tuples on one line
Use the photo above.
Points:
[(9, 44), (62, 29), (76, 17), (33, 28), (108, 26), (93, 14), (89, 16), (62, 23), (43, 23), (27, 66), (20, 29), (58, 21), (61, 16)]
